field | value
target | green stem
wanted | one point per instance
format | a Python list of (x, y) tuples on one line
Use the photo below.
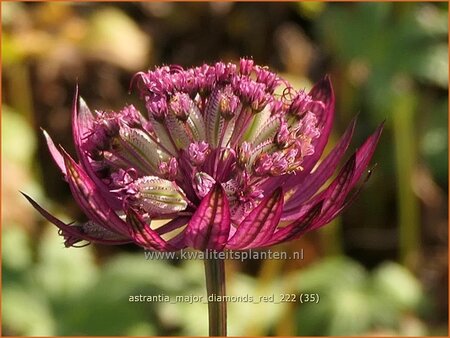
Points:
[(409, 226), (215, 288)]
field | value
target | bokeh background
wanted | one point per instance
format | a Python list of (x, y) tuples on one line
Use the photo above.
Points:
[(381, 268)]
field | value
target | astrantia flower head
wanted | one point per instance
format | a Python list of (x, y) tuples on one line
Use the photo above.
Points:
[(226, 153)]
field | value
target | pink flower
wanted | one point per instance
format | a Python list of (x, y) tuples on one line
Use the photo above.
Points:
[(221, 153)]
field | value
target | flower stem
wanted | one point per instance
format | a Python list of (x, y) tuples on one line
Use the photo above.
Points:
[(215, 288), (406, 154)]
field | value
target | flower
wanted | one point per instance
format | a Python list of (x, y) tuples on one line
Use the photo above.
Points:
[(229, 154)]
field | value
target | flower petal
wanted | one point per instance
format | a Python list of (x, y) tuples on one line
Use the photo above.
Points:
[(260, 224), (196, 125), (56, 154), (308, 184), (144, 236), (139, 151), (172, 225), (163, 136), (159, 196), (334, 196), (177, 130), (348, 201), (256, 124), (76, 233), (324, 112), (82, 121), (337, 194), (267, 131), (209, 227), (213, 119), (338, 189), (365, 152), (322, 91), (297, 228), (90, 198)]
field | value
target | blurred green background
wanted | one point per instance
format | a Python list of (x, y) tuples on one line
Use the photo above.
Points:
[(381, 268)]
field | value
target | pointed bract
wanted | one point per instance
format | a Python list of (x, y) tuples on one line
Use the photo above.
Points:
[(90, 199), (144, 236), (74, 234), (57, 157), (174, 224), (297, 228), (210, 225), (322, 92), (307, 184), (260, 224)]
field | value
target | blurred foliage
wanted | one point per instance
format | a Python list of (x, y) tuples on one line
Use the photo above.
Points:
[(355, 302), (379, 269), (66, 293)]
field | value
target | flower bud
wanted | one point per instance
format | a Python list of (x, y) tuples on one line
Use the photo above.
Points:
[(157, 196), (279, 164), (244, 153), (197, 152), (181, 105), (263, 163), (263, 75), (228, 104), (300, 104), (283, 136), (169, 170), (203, 184), (157, 108), (246, 66)]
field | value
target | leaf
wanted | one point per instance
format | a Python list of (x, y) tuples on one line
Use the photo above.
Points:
[(64, 273)]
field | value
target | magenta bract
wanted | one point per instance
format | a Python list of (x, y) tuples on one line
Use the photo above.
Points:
[(224, 153)]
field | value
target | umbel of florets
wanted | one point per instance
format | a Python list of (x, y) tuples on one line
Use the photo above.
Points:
[(223, 152)]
